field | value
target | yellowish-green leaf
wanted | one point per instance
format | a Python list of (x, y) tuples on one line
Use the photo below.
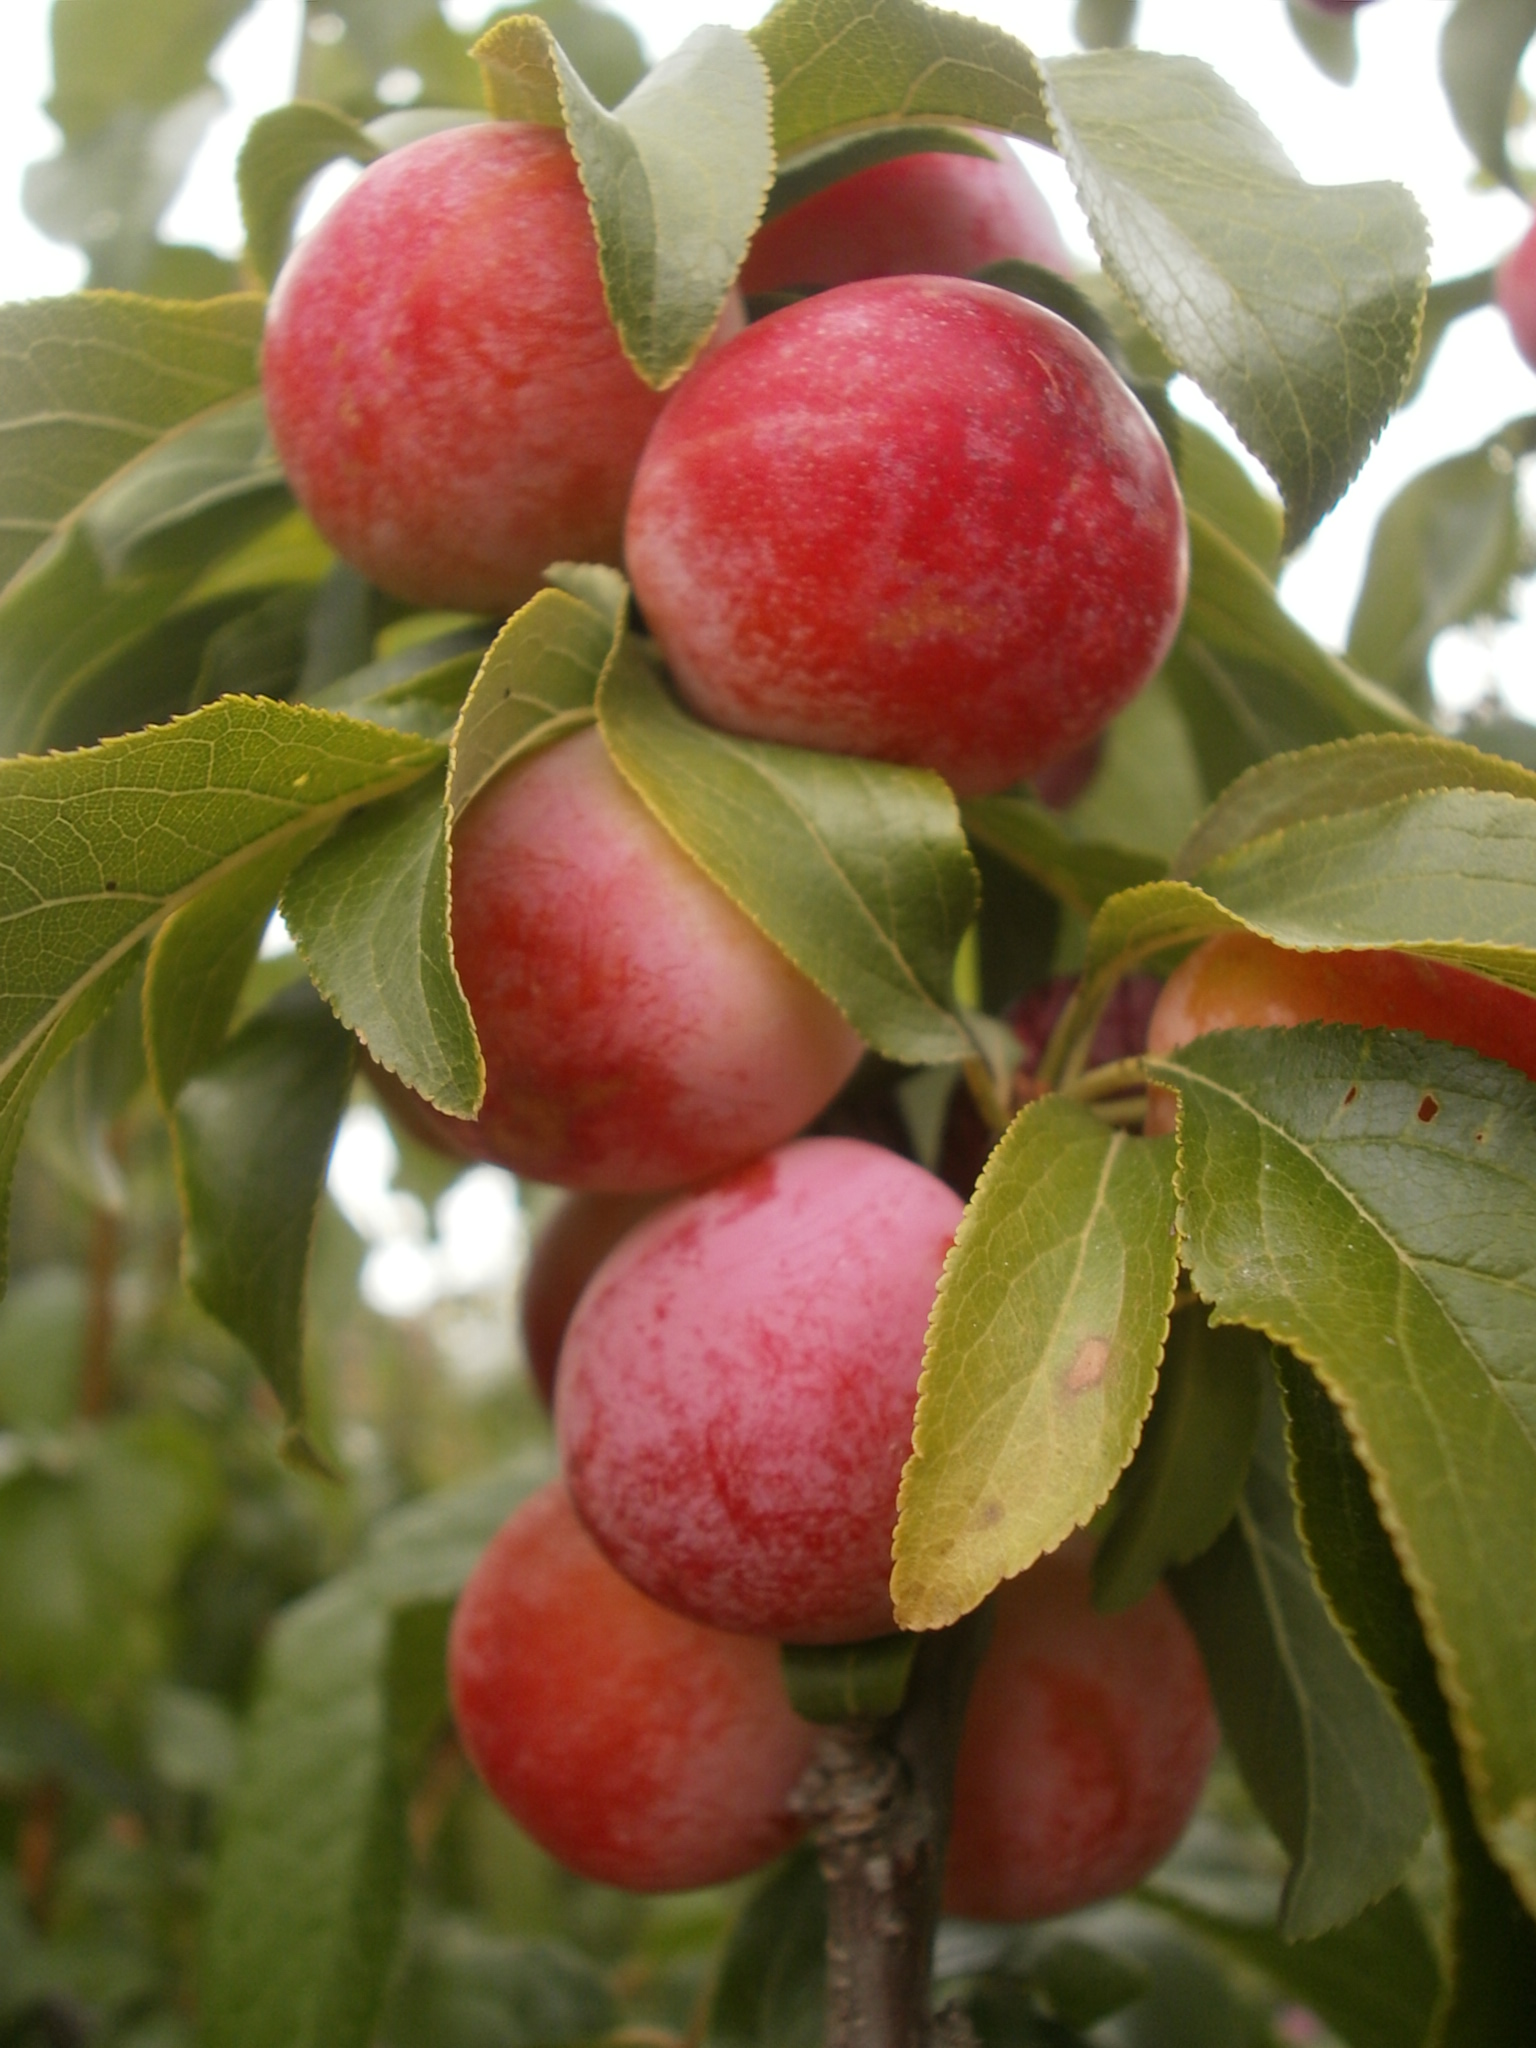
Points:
[(856, 870), (90, 383), (1369, 1200), (1295, 307), (1042, 1356), (282, 152), (98, 847), (841, 64), (676, 176)]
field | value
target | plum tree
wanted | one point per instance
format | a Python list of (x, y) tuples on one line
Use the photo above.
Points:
[(832, 554), (639, 1031), (1086, 1746), (566, 1253), (1515, 292), (934, 212), (635, 1746), (1239, 978), (737, 1386), (445, 387)]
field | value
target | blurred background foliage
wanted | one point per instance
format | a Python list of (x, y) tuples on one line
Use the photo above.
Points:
[(149, 1534)]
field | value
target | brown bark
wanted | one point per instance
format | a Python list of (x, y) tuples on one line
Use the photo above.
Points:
[(877, 1797)]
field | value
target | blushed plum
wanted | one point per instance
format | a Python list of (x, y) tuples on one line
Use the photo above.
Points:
[(636, 1747), (737, 1386), (1086, 1745), (1515, 293), (1240, 979), (639, 1031), (918, 519), (934, 212), (445, 387)]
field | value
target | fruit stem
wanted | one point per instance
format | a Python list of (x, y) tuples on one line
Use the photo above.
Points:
[(1115, 1077), (877, 1796)]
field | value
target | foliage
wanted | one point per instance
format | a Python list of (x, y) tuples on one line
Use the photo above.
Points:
[(1287, 1358)]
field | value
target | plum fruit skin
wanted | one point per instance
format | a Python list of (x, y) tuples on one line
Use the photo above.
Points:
[(917, 519), (636, 1747), (445, 387), (1239, 979), (935, 213), (737, 1385), (1515, 293), (639, 1031), (1086, 1745)]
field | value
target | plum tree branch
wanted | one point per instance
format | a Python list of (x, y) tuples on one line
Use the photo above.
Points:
[(877, 1797)]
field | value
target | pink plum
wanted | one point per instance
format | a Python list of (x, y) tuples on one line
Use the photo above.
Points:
[(445, 387), (636, 1747), (737, 1387), (639, 1031), (935, 212), (1515, 292), (567, 1252), (1085, 1750), (918, 519)]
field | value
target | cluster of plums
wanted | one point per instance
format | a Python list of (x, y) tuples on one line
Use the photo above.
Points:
[(908, 516)]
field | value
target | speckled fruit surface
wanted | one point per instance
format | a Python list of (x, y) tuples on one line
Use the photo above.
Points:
[(1086, 1745), (445, 388), (917, 519), (1239, 979), (935, 212), (636, 1747), (1515, 292), (737, 1386), (639, 1031)]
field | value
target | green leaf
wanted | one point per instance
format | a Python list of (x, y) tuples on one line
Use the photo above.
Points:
[(848, 1681), (1321, 1750), (254, 1126), (157, 512), (1480, 50), (676, 176), (98, 848), (1220, 490), (1328, 39), (368, 912), (1082, 874), (283, 151), (1183, 1486), (856, 870), (1332, 781), (74, 627), (841, 64), (259, 652), (770, 1988), (1369, 1200), (307, 1891), (305, 1899), (1444, 553), (460, 1986), (29, 1066), (1448, 873), (1042, 1356), (1374, 1983), (1492, 1947), (89, 383), (1295, 307), (538, 682)]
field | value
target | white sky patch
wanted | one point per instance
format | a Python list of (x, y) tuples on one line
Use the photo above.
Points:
[(456, 1268)]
